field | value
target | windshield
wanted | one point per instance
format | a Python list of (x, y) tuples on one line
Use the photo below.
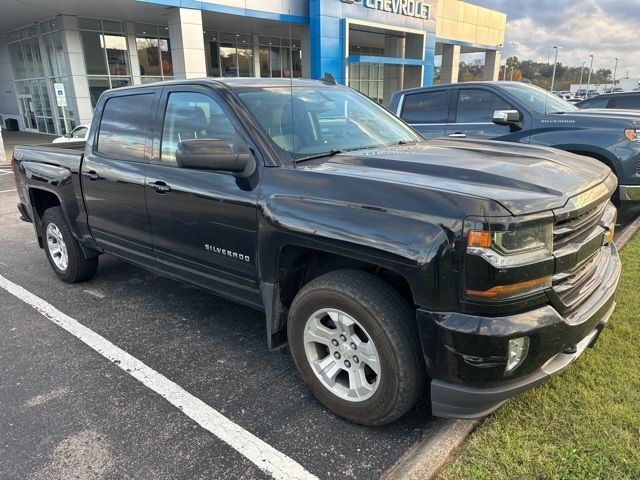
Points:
[(537, 99), (305, 121)]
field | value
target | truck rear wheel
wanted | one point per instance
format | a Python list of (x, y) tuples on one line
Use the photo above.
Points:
[(355, 344), (63, 251)]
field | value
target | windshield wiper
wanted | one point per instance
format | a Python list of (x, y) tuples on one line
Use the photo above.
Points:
[(330, 153)]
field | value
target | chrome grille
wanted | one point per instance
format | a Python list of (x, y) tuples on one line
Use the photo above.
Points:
[(580, 258), (577, 284), (578, 227)]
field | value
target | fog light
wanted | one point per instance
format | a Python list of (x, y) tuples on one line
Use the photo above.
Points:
[(518, 349)]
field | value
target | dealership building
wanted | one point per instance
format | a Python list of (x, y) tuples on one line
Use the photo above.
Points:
[(50, 48)]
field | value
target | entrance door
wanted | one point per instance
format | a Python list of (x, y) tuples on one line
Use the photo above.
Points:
[(28, 113)]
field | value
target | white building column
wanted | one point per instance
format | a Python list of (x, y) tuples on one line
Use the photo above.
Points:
[(256, 55), (305, 50), (492, 64), (76, 69), (133, 53), (393, 74), (450, 63), (187, 43)]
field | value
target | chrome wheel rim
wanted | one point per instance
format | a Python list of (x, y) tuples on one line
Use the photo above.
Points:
[(342, 355), (57, 247)]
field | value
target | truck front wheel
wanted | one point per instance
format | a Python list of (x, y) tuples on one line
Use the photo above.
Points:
[(63, 251), (355, 344)]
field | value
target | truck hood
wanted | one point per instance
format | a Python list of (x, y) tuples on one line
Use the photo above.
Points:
[(521, 178)]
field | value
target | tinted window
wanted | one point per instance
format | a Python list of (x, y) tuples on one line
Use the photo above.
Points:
[(478, 106), (193, 116), (627, 102), (595, 103), (427, 107), (79, 132), (123, 127)]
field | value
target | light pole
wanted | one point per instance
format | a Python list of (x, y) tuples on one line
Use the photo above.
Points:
[(589, 78), (581, 72), (615, 69), (555, 63), (512, 73)]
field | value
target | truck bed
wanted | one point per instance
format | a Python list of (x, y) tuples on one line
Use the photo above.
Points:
[(65, 155)]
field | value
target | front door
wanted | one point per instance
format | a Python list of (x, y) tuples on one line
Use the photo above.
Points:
[(204, 222), (473, 115), (113, 175)]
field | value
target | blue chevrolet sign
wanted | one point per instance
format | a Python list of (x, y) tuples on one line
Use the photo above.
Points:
[(408, 8)]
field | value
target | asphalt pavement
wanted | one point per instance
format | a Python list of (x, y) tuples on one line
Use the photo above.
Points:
[(67, 412)]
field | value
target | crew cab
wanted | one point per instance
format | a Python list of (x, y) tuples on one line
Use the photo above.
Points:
[(387, 263), (517, 112)]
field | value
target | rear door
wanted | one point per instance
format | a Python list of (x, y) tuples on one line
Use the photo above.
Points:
[(427, 112), (204, 222), (473, 114), (113, 174)]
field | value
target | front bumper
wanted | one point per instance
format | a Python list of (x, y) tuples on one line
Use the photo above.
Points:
[(466, 354)]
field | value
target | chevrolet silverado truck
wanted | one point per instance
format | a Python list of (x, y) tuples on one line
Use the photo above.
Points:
[(518, 112), (387, 263)]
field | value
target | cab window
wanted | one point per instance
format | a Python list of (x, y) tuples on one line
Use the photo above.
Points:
[(123, 127), (477, 106), (427, 107), (193, 116)]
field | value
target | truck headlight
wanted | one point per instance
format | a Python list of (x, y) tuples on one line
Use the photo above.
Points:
[(515, 246), (632, 134), (519, 254)]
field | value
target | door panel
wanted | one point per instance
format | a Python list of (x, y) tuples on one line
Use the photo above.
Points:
[(113, 177), (203, 222)]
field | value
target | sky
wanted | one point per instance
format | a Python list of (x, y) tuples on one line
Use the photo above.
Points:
[(608, 29)]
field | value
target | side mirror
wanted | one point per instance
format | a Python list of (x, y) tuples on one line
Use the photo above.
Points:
[(506, 117), (214, 154), (67, 135)]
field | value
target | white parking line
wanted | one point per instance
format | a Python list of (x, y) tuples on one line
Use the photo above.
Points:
[(7, 191), (263, 455)]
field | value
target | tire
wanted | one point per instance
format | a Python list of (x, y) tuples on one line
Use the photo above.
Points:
[(60, 244), (382, 317)]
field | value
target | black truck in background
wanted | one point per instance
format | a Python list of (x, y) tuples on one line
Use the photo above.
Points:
[(518, 112), (389, 264)]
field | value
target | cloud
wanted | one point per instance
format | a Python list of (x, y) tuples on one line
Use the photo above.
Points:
[(605, 28)]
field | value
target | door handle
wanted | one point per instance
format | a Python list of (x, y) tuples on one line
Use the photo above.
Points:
[(93, 176), (160, 187), (457, 135)]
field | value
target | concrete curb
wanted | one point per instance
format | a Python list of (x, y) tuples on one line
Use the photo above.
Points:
[(424, 459)]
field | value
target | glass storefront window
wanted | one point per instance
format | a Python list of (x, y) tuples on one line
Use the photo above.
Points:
[(93, 53), (229, 54), (116, 50), (154, 52), (31, 76), (97, 85), (280, 57)]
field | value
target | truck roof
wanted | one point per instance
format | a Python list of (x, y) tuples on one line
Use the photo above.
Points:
[(236, 82)]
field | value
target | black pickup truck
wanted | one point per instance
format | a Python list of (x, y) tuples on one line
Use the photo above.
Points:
[(386, 262), (518, 112)]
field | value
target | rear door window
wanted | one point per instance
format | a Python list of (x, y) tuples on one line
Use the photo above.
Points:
[(477, 106), (596, 103), (627, 102), (427, 107), (124, 127)]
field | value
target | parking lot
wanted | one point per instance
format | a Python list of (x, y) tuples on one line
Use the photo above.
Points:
[(68, 412)]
